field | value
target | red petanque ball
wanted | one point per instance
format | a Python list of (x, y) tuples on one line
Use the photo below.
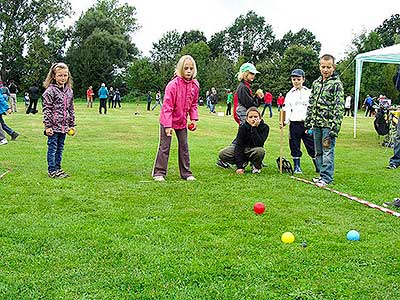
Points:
[(191, 127), (259, 208)]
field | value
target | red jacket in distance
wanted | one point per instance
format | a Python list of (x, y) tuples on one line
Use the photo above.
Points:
[(268, 98)]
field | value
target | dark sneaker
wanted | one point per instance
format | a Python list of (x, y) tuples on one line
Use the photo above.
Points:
[(52, 174), (394, 204), (297, 170), (316, 179), (61, 174), (392, 166), (222, 164), (14, 136)]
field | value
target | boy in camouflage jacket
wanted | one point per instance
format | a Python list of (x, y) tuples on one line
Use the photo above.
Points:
[(324, 117)]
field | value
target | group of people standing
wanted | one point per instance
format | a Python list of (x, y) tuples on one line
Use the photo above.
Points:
[(113, 97)]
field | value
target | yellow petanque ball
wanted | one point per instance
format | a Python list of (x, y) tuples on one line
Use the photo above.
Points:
[(71, 132), (287, 238)]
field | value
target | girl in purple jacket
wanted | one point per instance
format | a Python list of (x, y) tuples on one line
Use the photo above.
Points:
[(180, 100), (59, 115)]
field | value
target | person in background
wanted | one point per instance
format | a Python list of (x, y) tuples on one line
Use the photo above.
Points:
[(26, 101), (158, 100), (13, 96), (89, 97), (103, 95), (368, 104), (229, 101), (347, 106), (117, 99), (280, 101), (111, 94), (4, 110), (148, 100), (34, 98), (267, 103)]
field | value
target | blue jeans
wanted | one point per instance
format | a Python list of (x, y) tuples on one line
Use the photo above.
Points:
[(395, 160), (270, 109), (5, 127), (55, 147), (325, 156)]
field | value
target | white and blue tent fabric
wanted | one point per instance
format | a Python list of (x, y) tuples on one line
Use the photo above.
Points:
[(388, 55)]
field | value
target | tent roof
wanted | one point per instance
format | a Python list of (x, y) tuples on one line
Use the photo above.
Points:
[(384, 55)]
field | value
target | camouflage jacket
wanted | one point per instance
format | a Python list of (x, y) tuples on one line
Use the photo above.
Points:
[(326, 106)]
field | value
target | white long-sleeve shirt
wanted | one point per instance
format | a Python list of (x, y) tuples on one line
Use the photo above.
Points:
[(296, 104)]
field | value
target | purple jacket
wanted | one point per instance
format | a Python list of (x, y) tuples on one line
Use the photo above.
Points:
[(58, 108), (180, 99)]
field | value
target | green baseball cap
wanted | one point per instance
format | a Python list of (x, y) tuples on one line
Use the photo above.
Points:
[(248, 67)]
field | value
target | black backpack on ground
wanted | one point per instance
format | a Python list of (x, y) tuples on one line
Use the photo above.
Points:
[(381, 122)]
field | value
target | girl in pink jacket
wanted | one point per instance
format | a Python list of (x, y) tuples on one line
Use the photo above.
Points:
[(180, 100)]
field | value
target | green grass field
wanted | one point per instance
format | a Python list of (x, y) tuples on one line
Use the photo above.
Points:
[(110, 232)]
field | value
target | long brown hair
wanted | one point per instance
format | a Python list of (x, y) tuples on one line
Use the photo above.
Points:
[(52, 72)]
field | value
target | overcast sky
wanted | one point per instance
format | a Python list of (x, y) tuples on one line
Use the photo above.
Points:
[(333, 22)]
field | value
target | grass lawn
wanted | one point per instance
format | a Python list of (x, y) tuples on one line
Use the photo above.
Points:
[(110, 232)]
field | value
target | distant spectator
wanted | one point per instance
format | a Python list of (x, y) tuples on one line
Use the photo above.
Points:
[(13, 96), (347, 106), (229, 101), (368, 104), (280, 101), (267, 103), (111, 94), (117, 99), (89, 97), (148, 100), (103, 95), (34, 93), (26, 101), (158, 100)]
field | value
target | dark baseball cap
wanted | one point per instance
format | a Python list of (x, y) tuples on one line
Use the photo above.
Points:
[(298, 72)]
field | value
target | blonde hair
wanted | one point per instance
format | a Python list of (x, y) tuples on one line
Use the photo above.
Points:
[(242, 75), (52, 72), (259, 92), (181, 62)]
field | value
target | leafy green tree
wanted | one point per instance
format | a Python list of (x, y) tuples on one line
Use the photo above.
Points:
[(101, 45), (389, 30), (167, 48), (201, 54), (192, 36), (303, 37), (21, 23), (142, 77), (249, 36)]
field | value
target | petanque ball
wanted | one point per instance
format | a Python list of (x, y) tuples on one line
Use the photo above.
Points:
[(353, 235), (259, 208), (287, 238)]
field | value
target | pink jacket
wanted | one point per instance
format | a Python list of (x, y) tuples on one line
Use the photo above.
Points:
[(180, 99)]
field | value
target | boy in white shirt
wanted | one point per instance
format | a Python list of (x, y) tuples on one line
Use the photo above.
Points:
[(296, 104)]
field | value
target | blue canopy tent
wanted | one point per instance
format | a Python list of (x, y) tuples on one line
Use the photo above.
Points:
[(388, 55)]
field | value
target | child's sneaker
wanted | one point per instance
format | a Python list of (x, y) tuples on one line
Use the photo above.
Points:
[(254, 170), (52, 174), (14, 136), (3, 141), (159, 178), (392, 166), (322, 183), (297, 170), (61, 174), (222, 164), (316, 179), (395, 203), (191, 178)]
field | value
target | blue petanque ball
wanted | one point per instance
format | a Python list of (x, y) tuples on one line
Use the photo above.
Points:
[(353, 235)]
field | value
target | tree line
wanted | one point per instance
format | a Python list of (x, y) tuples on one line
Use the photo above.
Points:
[(98, 48)]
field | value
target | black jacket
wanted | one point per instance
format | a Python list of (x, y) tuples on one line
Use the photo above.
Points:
[(251, 137), (245, 98)]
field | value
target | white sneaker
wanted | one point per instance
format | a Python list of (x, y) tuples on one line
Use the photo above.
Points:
[(3, 141), (316, 179), (159, 178), (191, 178), (255, 170), (321, 183)]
